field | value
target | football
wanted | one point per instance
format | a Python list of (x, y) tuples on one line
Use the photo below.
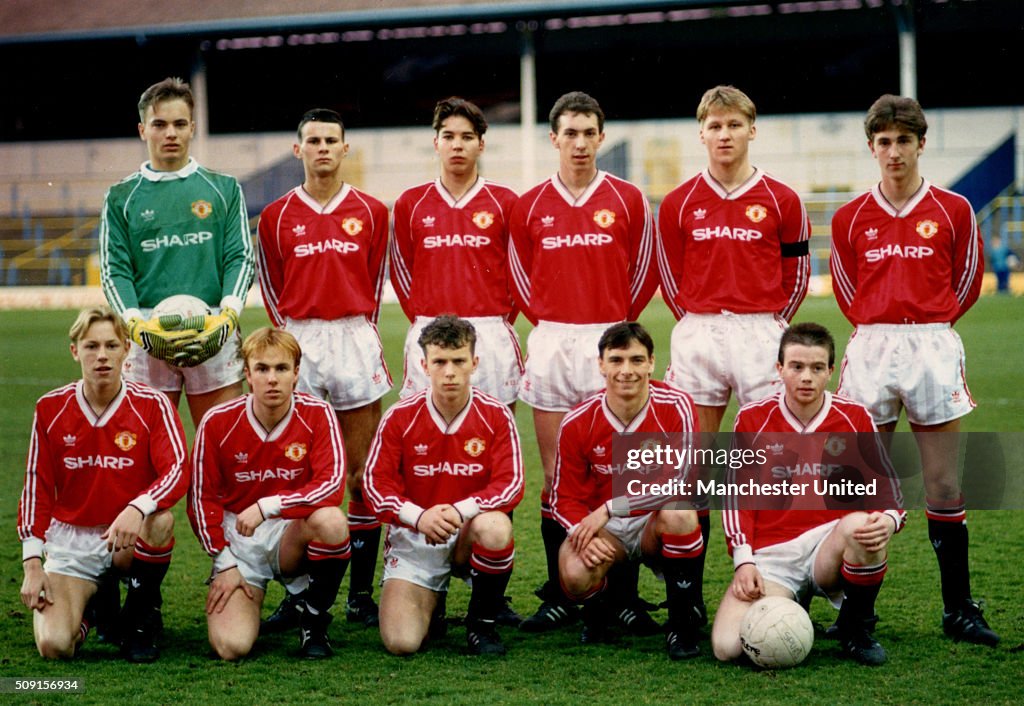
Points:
[(184, 305), (776, 633)]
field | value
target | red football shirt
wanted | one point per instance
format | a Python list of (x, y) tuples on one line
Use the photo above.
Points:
[(921, 264), (322, 262), (85, 469), (451, 256), (417, 460), (726, 251), (583, 260), (585, 471), (291, 470), (769, 422)]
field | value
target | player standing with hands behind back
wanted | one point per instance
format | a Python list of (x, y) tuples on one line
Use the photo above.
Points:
[(174, 227), (906, 264), (580, 252), (321, 267)]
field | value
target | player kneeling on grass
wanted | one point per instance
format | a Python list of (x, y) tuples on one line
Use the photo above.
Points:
[(604, 525), (106, 462), (444, 470), (809, 548), (264, 502)]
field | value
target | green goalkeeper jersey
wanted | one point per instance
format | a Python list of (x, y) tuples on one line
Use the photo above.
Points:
[(183, 232)]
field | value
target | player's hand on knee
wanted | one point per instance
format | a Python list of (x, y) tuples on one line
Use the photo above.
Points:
[(123, 532), (598, 551), (588, 528), (222, 587), (747, 583), (35, 588), (249, 519), (875, 533), (436, 524)]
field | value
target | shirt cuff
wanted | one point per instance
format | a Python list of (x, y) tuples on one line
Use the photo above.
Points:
[(224, 561), (270, 506), (145, 504), (410, 514), (132, 313), (743, 554), (618, 507), (468, 508), (897, 517), (31, 548), (231, 302)]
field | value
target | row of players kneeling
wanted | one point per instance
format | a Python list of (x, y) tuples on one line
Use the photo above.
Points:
[(445, 472)]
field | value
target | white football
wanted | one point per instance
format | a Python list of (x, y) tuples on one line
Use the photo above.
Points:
[(776, 632), (183, 305)]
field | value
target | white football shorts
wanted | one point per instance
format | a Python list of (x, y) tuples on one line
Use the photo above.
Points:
[(259, 556), (561, 365), (715, 353), (221, 370), (918, 366), (629, 531), (791, 564), (342, 360), (72, 550), (408, 556), (497, 346)]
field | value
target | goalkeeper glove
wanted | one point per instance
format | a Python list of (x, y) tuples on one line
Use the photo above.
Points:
[(158, 341), (207, 342)]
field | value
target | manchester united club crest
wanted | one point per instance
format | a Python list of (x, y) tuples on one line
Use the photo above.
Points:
[(125, 440), (475, 446), (201, 208), (483, 219), (604, 217), (352, 226), (756, 212), (834, 445), (927, 229), (295, 451)]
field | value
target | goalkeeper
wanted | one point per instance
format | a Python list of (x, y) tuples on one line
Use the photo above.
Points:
[(174, 227)]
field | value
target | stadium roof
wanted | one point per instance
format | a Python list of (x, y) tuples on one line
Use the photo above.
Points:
[(47, 20)]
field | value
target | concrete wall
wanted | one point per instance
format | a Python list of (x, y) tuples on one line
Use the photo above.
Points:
[(811, 152)]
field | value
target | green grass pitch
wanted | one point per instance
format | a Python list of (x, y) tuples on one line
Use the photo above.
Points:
[(924, 666)]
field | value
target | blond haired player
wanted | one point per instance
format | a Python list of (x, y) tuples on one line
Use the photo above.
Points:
[(106, 462)]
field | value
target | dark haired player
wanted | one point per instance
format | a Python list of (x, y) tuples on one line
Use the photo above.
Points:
[(449, 254), (603, 528), (907, 263), (322, 249), (809, 548), (444, 471), (580, 252)]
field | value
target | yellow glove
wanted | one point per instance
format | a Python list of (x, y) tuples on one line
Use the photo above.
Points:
[(206, 343), (165, 343)]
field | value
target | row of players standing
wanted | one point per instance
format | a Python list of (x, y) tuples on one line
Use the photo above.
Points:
[(581, 254)]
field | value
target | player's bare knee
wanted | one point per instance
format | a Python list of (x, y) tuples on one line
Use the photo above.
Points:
[(158, 529), (328, 525), (675, 521), (493, 530), (57, 644), (850, 524), (726, 649), (400, 642), (230, 647)]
